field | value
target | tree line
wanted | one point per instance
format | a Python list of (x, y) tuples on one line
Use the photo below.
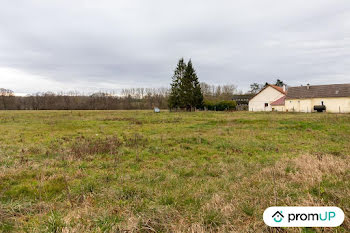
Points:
[(219, 92), (128, 99), (185, 93)]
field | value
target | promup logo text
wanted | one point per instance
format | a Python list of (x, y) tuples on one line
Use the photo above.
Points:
[(283, 216)]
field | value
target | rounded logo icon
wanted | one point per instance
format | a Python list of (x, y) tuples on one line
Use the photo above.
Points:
[(298, 216)]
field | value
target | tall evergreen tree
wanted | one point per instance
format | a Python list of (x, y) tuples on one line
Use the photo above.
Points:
[(174, 97), (185, 88), (190, 91), (197, 98)]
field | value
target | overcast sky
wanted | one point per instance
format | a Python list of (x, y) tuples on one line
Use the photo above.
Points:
[(61, 45)]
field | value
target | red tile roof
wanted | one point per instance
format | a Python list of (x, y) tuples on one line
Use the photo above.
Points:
[(280, 101), (280, 89)]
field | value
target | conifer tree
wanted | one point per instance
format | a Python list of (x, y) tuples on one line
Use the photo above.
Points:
[(185, 88), (197, 94), (190, 91), (174, 97)]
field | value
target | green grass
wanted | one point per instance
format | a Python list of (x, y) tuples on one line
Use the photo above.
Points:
[(109, 171)]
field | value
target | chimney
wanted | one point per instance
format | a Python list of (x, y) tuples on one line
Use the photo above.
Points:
[(284, 88), (308, 86)]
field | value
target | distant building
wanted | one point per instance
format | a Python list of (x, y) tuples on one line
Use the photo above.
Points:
[(268, 95), (332, 98), (242, 101)]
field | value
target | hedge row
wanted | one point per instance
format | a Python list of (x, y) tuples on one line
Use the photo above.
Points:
[(220, 105)]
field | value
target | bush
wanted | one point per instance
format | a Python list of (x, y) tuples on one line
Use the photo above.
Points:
[(224, 105)]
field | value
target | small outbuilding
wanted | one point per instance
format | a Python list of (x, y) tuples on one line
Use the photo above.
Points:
[(279, 105), (242, 101)]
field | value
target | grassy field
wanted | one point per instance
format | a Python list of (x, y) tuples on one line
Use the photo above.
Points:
[(109, 171)]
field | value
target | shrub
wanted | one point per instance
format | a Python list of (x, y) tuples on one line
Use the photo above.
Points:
[(224, 105)]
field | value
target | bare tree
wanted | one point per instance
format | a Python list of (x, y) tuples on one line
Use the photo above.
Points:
[(218, 92), (6, 98)]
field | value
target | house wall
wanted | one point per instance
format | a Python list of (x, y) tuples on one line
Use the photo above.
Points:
[(279, 108), (268, 95), (299, 105), (333, 105)]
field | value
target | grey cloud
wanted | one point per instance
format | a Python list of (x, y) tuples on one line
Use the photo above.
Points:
[(137, 43)]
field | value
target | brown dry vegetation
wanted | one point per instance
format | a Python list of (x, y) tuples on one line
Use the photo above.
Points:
[(120, 171)]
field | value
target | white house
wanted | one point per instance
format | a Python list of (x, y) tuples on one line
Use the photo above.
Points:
[(263, 100)]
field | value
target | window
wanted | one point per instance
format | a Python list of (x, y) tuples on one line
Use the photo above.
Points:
[(266, 105)]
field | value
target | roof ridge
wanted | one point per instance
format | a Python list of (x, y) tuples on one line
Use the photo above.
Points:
[(278, 88)]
